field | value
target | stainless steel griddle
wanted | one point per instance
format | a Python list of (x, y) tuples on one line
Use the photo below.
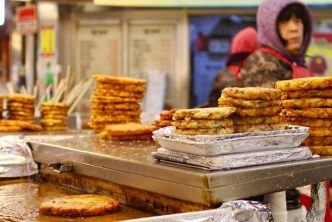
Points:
[(130, 164)]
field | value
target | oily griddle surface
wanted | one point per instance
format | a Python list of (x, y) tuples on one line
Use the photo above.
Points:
[(20, 198)]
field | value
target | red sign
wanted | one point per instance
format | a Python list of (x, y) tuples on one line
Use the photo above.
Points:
[(26, 21)]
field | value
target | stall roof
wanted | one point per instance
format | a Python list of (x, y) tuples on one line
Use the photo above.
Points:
[(197, 3)]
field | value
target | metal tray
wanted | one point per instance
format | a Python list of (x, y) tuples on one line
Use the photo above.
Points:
[(233, 161), (204, 145)]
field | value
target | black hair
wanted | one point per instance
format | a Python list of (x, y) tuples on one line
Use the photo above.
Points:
[(299, 12)]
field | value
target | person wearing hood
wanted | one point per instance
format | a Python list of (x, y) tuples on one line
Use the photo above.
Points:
[(284, 31), (243, 44)]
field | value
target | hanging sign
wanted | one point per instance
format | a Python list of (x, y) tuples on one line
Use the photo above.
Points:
[(47, 40), (26, 19)]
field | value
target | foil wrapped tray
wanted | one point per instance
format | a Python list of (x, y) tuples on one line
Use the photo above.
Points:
[(16, 158), (232, 211), (206, 145), (232, 161)]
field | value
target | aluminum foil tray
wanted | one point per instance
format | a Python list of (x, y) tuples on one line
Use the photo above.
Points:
[(205, 145), (16, 158), (232, 161), (232, 211)]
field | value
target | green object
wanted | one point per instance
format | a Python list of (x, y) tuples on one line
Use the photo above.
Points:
[(49, 80), (48, 75)]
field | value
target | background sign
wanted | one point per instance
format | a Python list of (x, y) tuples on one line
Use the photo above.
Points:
[(26, 19), (47, 40)]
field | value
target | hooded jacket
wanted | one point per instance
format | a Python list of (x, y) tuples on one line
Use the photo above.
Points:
[(243, 44), (263, 69)]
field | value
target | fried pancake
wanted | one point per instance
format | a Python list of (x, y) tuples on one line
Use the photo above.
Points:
[(321, 150), (307, 103), (33, 127), (115, 106), (118, 80), (23, 118), (204, 113), (308, 122), (117, 93), (115, 112), (53, 113), (256, 120), (10, 129), (54, 109), (320, 131), (228, 101), (18, 125), (252, 93), (322, 113), (21, 113), (258, 128), (147, 136), (20, 98), (54, 117), (50, 124), (300, 94), (318, 141), (211, 131), (167, 115), (162, 123), (129, 129), (258, 112), (54, 128), (125, 88), (202, 124), (21, 109), (52, 105), (80, 206), (20, 105), (305, 83), (113, 99), (114, 118)]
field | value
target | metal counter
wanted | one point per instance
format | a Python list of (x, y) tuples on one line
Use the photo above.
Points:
[(130, 164)]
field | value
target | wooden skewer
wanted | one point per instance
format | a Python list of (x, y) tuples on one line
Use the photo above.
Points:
[(73, 92), (35, 91), (61, 90), (86, 87), (68, 80), (46, 92)]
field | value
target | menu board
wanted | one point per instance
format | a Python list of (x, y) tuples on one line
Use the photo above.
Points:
[(99, 49), (151, 49)]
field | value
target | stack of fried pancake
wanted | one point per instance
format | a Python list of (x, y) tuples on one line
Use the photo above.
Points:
[(129, 131), (165, 119), (204, 121), (54, 116), (116, 100), (21, 107), (1, 106), (257, 109), (308, 102)]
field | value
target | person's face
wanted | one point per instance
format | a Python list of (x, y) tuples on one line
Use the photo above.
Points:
[(292, 32)]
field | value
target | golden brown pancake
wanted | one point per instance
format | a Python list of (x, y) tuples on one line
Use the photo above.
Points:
[(252, 93), (258, 112), (118, 80), (204, 113), (305, 83), (202, 124), (80, 206), (228, 101), (258, 128), (211, 131)]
